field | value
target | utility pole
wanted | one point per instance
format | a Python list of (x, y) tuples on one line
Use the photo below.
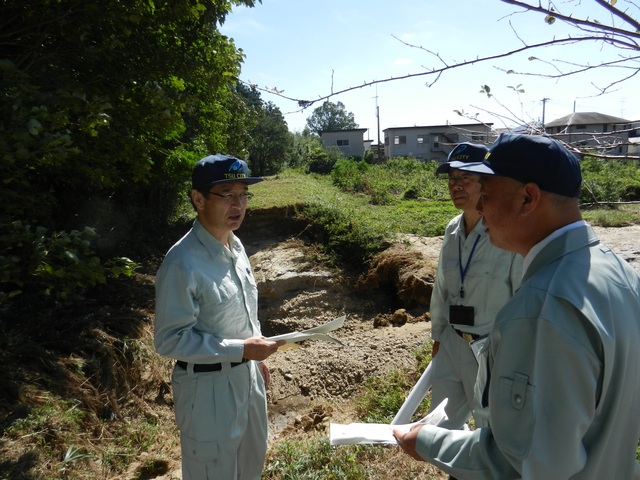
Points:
[(378, 119), (544, 105)]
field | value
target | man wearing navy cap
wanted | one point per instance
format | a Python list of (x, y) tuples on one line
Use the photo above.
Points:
[(474, 280), (206, 318), (562, 369)]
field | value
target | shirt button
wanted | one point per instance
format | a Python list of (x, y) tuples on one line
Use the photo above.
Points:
[(517, 399)]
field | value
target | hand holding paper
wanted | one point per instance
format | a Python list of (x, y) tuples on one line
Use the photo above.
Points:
[(315, 333), (377, 433)]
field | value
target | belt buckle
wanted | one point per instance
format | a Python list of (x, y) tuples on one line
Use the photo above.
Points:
[(467, 337)]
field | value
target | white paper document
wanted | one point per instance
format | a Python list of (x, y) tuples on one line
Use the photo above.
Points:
[(378, 433), (359, 433), (315, 333)]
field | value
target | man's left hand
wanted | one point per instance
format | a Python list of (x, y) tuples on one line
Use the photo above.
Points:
[(266, 376)]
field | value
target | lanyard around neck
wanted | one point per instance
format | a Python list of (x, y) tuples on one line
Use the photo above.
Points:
[(463, 271)]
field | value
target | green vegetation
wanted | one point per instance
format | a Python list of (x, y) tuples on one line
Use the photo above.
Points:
[(609, 181), (105, 138), (360, 207)]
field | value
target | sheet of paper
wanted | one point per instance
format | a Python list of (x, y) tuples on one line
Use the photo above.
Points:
[(315, 333), (378, 433), (360, 433)]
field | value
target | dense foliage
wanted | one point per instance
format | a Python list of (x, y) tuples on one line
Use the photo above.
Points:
[(105, 108), (609, 181), (268, 139), (331, 116)]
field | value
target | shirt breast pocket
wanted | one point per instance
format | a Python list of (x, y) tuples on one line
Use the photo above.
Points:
[(513, 418), (220, 292)]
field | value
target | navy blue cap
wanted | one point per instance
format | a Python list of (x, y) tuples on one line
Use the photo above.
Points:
[(533, 158), (220, 168), (463, 154)]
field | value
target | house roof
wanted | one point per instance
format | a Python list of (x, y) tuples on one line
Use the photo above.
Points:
[(449, 125), (345, 130), (585, 118)]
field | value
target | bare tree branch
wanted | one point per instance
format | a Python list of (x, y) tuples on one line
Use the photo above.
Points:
[(588, 31), (578, 21), (305, 103)]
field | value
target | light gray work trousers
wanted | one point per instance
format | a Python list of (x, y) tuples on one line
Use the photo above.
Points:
[(222, 417)]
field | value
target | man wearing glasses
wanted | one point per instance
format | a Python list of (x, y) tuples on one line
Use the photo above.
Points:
[(206, 318), (473, 281)]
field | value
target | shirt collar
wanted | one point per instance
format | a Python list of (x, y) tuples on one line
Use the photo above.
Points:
[(537, 248)]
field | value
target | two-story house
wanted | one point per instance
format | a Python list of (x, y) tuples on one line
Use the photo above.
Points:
[(433, 142), (603, 133), (350, 142)]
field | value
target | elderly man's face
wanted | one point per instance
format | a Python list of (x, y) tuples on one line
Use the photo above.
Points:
[(499, 205), (464, 189)]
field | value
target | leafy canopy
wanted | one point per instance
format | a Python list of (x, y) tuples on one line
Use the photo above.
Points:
[(331, 116)]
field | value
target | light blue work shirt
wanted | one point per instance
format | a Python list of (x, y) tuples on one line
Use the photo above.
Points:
[(206, 300), (564, 369), (490, 278)]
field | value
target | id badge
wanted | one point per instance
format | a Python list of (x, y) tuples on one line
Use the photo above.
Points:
[(461, 315)]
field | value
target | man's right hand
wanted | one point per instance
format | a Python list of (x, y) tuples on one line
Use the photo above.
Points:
[(259, 348)]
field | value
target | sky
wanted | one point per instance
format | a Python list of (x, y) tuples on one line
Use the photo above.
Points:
[(307, 49)]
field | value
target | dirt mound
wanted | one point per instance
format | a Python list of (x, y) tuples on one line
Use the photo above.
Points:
[(297, 291)]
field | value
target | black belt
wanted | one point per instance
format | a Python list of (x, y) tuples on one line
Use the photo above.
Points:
[(207, 367), (468, 337)]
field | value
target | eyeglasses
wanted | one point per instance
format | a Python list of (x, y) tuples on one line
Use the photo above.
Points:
[(463, 179), (243, 197)]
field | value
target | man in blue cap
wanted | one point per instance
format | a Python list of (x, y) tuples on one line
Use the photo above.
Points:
[(474, 280), (563, 366), (207, 319)]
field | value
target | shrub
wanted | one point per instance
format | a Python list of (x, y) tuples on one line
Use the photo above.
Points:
[(350, 175), (322, 161), (609, 180), (56, 265)]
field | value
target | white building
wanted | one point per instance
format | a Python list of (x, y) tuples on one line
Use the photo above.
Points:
[(434, 142), (605, 134), (350, 142)]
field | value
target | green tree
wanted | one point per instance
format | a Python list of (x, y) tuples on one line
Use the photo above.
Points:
[(331, 116), (105, 107), (303, 147), (270, 140), (269, 137)]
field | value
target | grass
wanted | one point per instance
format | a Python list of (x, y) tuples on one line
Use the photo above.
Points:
[(313, 458), (618, 216)]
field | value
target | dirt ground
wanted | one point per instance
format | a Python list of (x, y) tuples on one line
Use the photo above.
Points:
[(386, 321)]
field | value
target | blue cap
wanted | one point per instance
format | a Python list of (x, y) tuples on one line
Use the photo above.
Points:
[(220, 168), (463, 154), (533, 159)]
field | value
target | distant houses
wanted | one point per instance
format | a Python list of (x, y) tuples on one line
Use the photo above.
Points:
[(600, 133), (604, 134), (433, 142)]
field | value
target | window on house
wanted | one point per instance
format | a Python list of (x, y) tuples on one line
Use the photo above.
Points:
[(436, 142), (343, 143), (604, 127), (477, 137), (422, 139), (581, 127), (400, 140)]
